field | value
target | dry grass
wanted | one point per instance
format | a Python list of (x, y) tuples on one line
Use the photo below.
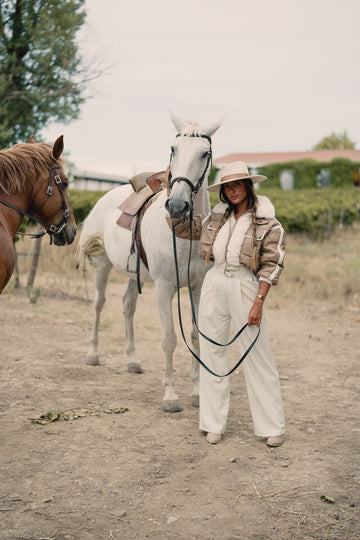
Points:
[(324, 270), (327, 270)]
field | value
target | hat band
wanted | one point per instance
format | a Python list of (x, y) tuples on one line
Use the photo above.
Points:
[(238, 176)]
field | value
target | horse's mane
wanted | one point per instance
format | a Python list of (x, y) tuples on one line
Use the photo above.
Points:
[(22, 163)]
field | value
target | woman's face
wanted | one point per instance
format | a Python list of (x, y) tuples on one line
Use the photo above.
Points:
[(236, 191)]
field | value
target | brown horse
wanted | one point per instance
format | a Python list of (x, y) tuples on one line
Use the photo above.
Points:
[(33, 184)]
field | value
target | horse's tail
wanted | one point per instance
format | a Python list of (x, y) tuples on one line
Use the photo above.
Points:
[(91, 246)]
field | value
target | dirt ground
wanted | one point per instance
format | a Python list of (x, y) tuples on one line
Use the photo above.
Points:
[(143, 473)]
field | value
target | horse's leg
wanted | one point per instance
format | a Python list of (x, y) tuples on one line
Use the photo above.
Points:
[(102, 270), (129, 305), (195, 344), (7, 255), (171, 402)]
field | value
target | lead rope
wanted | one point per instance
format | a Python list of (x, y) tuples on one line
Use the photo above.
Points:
[(193, 311)]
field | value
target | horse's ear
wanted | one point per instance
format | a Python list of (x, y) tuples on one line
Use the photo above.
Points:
[(58, 147), (210, 130), (32, 139), (178, 122)]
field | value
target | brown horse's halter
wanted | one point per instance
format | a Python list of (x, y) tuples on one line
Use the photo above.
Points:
[(51, 229)]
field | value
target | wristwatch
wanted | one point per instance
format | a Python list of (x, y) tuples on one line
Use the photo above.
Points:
[(261, 297)]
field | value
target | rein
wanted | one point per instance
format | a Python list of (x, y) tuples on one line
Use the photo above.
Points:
[(194, 316), (194, 190), (51, 229)]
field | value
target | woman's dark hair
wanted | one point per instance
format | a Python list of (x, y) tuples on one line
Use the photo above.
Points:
[(250, 195)]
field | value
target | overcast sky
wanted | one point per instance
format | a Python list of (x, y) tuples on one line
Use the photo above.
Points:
[(284, 73)]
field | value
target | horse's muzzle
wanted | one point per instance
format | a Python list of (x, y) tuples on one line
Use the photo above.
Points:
[(66, 236), (177, 208)]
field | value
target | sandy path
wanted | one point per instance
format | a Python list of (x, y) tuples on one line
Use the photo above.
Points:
[(147, 474)]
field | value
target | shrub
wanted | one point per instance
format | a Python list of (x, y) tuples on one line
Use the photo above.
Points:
[(82, 202)]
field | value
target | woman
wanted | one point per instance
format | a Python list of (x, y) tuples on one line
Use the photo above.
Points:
[(247, 244)]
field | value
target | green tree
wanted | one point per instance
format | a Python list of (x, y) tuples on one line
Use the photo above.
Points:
[(336, 141), (41, 74)]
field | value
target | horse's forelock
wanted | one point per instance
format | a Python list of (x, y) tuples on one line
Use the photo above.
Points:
[(22, 163), (193, 129)]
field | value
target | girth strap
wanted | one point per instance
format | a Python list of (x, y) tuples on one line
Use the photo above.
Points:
[(136, 242)]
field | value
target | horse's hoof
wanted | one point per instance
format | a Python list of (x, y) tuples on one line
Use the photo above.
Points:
[(93, 359), (195, 401), (172, 405), (134, 367)]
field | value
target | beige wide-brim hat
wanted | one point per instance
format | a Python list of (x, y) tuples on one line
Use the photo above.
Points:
[(237, 170)]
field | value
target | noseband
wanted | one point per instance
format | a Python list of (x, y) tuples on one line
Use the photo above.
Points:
[(50, 229), (194, 189)]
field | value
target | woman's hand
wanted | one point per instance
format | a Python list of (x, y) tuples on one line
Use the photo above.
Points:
[(256, 311), (255, 314)]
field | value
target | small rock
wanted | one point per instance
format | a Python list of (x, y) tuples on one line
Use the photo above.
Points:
[(233, 460), (171, 519)]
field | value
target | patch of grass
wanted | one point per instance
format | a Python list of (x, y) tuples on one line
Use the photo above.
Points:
[(327, 270)]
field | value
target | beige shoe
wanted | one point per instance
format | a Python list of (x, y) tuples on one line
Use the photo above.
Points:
[(276, 440), (213, 438)]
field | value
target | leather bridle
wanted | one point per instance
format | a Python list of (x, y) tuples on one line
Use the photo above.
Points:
[(50, 229), (194, 189)]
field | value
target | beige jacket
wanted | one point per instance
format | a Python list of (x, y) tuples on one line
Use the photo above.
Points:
[(264, 256)]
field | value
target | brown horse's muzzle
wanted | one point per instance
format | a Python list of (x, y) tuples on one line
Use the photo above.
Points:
[(66, 235)]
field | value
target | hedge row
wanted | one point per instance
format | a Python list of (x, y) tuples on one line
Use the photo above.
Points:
[(306, 173), (311, 211), (83, 201), (315, 212)]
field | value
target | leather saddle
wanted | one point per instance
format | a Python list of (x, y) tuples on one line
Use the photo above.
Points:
[(145, 185)]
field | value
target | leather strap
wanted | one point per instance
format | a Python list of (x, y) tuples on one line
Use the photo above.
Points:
[(194, 317)]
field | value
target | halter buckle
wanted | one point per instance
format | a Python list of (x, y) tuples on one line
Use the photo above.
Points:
[(57, 179), (53, 229), (49, 191)]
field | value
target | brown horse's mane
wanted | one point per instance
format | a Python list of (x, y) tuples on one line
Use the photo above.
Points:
[(22, 164)]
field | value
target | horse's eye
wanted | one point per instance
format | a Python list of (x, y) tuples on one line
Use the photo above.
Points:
[(205, 155)]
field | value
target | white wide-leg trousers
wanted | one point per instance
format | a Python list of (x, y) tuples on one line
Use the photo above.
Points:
[(225, 300)]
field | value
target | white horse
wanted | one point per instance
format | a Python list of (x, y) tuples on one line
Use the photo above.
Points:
[(105, 244)]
